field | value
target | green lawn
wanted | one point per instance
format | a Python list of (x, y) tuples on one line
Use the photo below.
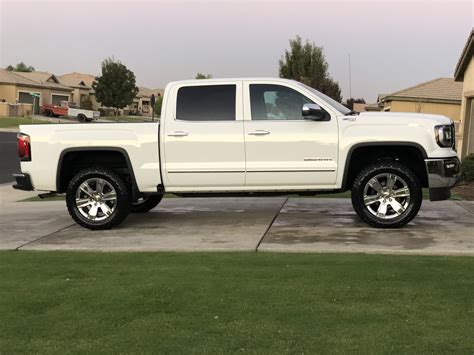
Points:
[(58, 302), (14, 122)]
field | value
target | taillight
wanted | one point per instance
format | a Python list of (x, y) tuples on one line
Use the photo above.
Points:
[(23, 147)]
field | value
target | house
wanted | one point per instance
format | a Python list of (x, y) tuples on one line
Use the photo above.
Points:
[(359, 107), (373, 107), (81, 85), (39, 88), (142, 102), (464, 75), (441, 96), (53, 92), (34, 88)]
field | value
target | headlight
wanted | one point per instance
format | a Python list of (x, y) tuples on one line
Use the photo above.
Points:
[(445, 135)]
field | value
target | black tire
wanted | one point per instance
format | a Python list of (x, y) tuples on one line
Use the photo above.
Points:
[(122, 202), (411, 204), (48, 113), (146, 203), (81, 117)]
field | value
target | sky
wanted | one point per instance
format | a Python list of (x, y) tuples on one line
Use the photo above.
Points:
[(392, 44)]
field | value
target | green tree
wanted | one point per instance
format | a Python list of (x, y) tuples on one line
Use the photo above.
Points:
[(307, 64), (86, 102), (116, 87), (22, 67), (203, 76)]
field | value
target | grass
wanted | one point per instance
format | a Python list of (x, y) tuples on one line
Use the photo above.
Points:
[(14, 122), (57, 302)]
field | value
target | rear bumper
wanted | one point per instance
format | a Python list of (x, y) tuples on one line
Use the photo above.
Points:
[(443, 173), (23, 182)]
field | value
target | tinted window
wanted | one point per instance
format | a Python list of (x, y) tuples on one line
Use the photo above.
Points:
[(276, 102), (206, 103)]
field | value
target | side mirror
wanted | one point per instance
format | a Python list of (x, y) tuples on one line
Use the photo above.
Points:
[(313, 112)]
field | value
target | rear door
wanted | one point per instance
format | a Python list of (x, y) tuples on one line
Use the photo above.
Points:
[(283, 149), (203, 137)]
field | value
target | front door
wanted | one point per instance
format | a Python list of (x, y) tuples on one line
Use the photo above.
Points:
[(203, 138), (284, 150)]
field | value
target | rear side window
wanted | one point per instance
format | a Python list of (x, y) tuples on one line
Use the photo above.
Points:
[(206, 103)]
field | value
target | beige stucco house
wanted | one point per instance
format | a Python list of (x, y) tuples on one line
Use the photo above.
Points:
[(142, 102), (17, 88), (464, 74), (81, 85), (440, 96)]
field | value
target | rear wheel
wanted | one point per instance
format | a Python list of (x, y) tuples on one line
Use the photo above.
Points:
[(48, 113), (386, 195), (98, 198), (146, 203), (81, 117)]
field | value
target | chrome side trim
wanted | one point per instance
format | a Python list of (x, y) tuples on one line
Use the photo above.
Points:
[(250, 171)]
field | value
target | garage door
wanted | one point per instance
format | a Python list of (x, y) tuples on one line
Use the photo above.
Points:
[(26, 98), (56, 99)]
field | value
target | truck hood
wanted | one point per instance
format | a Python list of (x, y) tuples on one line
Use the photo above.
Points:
[(402, 118), (394, 127)]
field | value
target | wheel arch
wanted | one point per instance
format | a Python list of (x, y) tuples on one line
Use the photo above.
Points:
[(378, 150), (61, 185)]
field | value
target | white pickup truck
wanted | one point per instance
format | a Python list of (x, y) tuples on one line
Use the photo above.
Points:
[(243, 137), (69, 109)]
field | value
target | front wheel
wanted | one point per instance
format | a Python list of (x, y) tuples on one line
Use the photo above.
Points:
[(146, 203), (386, 195), (98, 198)]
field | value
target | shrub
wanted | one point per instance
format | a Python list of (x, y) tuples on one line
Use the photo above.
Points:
[(467, 168), (86, 102)]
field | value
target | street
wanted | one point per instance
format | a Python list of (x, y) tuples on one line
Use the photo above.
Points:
[(9, 162)]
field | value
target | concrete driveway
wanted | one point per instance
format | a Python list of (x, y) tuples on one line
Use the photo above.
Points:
[(238, 224)]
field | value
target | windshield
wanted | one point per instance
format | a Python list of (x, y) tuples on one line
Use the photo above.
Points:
[(338, 106)]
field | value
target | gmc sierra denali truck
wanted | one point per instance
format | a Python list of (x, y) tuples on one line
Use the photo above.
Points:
[(243, 137)]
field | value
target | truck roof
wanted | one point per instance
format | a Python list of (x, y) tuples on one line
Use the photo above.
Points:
[(217, 80)]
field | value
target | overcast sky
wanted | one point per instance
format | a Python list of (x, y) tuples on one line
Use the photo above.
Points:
[(392, 44)]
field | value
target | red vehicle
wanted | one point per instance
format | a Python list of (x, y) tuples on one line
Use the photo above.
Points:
[(50, 110), (69, 109)]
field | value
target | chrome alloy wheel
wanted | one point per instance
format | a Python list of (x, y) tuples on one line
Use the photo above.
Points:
[(386, 196), (96, 199)]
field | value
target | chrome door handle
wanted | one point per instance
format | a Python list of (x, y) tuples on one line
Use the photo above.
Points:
[(258, 132), (178, 134)]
